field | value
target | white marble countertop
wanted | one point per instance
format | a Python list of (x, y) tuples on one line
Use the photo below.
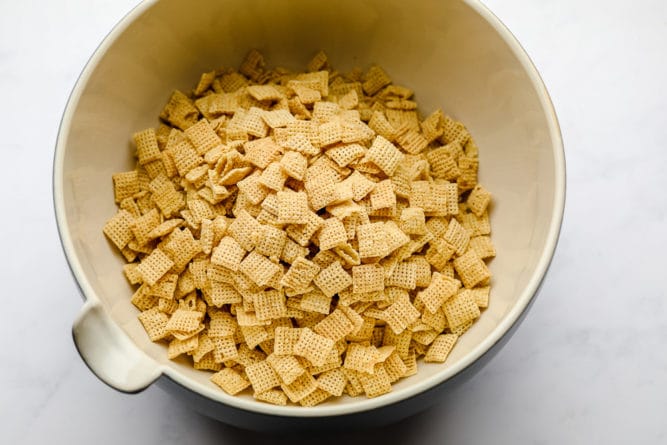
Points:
[(587, 366)]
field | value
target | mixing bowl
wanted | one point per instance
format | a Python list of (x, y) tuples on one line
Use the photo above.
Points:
[(455, 54)]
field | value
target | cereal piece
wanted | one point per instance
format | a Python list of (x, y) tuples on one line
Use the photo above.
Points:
[(376, 384), (381, 126), (304, 385), (482, 246), (228, 253), (335, 326), (264, 93), (306, 94), (332, 234), (404, 276), (478, 200), (333, 382), (270, 305), (292, 207), (222, 324), (180, 111), (423, 270), (184, 321), (361, 358), (262, 377), (203, 137), (300, 274), (471, 269), (245, 230), (461, 309), (313, 347), (272, 396), (412, 141), (400, 315), (261, 152), (287, 367), (457, 236), (177, 347), (438, 291), (284, 340), (333, 279), (258, 268), (394, 237), (315, 398), (385, 155), (481, 296), (468, 178), (294, 164), (305, 229), (154, 266), (374, 80), (155, 323), (367, 278), (271, 242), (372, 240), (395, 367), (315, 301), (318, 62), (413, 221), (343, 155), (440, 348), (147, 147), (118, 229), (383, 195)]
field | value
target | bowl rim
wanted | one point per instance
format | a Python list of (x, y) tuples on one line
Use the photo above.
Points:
[(361, 405)]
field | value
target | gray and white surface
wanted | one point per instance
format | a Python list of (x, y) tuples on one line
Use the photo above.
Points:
[(589, 363)]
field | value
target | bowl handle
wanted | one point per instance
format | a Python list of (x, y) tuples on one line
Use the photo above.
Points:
[(109, 353)]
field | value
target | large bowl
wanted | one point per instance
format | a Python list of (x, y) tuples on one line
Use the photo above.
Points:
[(455, 54)]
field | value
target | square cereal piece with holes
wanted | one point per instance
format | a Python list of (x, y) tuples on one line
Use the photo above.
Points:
[(315, 398), (374, 80), (334, 326), (332, 234), (230, 381), (264, 93), (154, 266), (457, 236), (380, 125), (294, 164), (481, 296), (184, 321), (443, 164), (252, 188), (305, 229), (245, 230), (119, 229), (287, 367), (333, 279), (271, 242), (438, 291), (343, 155), (471, 269), (404, 276), (412, 141), (400, 315), (262, 376), (180, 111), (330, 133), (395, 237), (461, 309), (367, 278), (300, 274), (261, 152), (314, 347), (482, 246), (203, 137), (270, 305), (478, 200), (272, 396), (292, 207), (155, 323), (278, 118), (333, 382), (372, 240), (440, 348), (361, 185), (147, 147), (273, 177), (361, 358), (385, 155), (383, 196), (423, 270), (300, 388), (413, 221), (315, 301), (258, 268), (375, 384), (228, 253), (284, 340)]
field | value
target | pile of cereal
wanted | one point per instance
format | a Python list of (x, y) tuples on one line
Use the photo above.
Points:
[(304, 235)]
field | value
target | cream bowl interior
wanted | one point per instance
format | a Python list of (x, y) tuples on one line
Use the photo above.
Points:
[(454, 54)]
